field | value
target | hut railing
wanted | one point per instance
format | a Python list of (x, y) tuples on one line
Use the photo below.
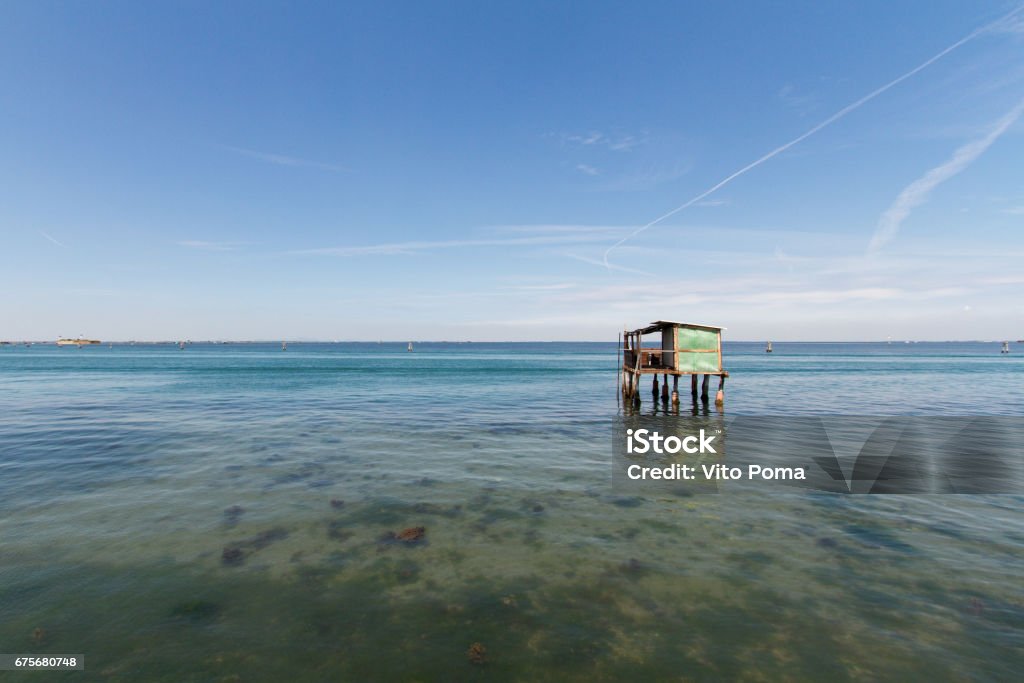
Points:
[(649, 358)]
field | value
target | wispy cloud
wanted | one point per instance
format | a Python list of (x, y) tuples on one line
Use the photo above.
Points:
[(559, 286), (53, 239), (91, 291), (642, 178), (918, 191), (1005, 280), (417, 246), (1010, 24), (587, 169), (598, 231), (588, 139), (802, 103), (616, 143), (285, 160), (210, 246), (598, 262)]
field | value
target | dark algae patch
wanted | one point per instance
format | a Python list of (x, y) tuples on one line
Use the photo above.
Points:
[(338, 531), (233, 514), (236, 553), (232, 555), (196, 610), (410, 536), (477, 653)]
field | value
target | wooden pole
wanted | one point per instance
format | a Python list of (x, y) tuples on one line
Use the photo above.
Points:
[(654, 387), (664, 387), (618, 368), (704, 389), (675, 390), (693, 386), (720, 396), (637, 359)]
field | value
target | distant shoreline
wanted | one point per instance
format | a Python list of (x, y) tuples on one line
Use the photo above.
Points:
[(228, 342)]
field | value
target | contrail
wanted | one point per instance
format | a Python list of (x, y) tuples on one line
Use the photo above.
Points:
[(52, 239), (824, 124), (916, 193)]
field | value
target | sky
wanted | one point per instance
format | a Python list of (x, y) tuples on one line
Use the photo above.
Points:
[(511, 171)]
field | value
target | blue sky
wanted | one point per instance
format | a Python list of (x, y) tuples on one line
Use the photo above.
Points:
[(460, 170)]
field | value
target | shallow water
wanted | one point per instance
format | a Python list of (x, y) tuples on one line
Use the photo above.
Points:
[(127, 472)]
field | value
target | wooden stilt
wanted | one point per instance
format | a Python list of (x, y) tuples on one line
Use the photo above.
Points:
[(654, 388), (625, 380), (675, 390), (704, 389), (664, 387), (693, 386), (720, 396), (618, 367)]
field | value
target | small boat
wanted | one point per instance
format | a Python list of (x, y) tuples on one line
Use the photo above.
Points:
[(79, 342), (284, 346), (410, 346), (1006, 347), (768, 349)]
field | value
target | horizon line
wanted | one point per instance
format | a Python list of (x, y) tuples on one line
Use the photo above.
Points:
[(11, 342)]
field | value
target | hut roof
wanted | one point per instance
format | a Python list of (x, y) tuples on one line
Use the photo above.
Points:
[(663, 324)]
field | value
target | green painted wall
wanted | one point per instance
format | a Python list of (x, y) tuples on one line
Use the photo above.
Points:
[(689, 338)]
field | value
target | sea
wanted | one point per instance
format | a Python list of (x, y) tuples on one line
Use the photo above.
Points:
[(359, 512)]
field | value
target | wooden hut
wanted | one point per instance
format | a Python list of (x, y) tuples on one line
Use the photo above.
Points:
[(677, 349)]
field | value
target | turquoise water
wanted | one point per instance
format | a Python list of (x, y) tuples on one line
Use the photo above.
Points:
[(222, 513)]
